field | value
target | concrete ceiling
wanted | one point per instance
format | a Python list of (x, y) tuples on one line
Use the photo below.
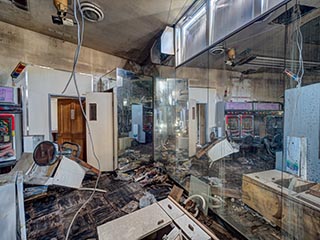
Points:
[(128, 29), (270, 41)]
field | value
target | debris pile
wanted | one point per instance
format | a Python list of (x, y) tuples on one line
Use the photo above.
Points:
[(132, 159)]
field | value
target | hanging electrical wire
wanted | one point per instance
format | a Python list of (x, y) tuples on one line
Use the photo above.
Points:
[(80, 31), (299, 42), (298, 38), (297, 77)]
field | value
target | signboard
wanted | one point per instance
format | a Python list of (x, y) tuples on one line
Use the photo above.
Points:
[(6, 95), (267, 106), (238, 106)]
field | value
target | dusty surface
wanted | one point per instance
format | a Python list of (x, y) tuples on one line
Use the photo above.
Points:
[(226, 176), (49, 217), (128, 29)]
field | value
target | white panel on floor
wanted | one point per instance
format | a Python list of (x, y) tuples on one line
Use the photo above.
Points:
[(136, 225)]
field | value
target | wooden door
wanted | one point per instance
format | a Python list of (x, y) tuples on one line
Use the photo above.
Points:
[(71, 124), (201, 110)]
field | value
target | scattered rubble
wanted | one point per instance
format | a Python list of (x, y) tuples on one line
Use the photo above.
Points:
[(147, 200), (130, 207), (139, 183)]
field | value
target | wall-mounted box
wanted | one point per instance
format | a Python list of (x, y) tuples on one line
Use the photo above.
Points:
[(30, 142)]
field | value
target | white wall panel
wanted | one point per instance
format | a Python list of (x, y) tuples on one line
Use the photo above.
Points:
[(101, 126), (38, 83)]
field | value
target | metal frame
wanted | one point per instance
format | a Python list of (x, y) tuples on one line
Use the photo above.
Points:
[(215, 43), (13, 223), (21, 228)]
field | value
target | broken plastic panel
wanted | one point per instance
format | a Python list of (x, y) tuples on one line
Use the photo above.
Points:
[(200, 193)]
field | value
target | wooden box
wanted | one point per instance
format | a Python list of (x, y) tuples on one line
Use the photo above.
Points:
[(296, 211)]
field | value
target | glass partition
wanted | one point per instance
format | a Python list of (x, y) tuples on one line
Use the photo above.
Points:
[(133, 113), (301, 158), (209, 21), (191, 32), (246, 135), (171, 125), (242, 11), (227, 16)]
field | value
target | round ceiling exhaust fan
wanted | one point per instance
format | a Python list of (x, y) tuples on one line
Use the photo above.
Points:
[(91, 12)]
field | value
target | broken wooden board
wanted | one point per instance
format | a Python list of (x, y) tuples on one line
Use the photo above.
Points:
[(176, 193), (24, 163), (35, 192), (68, 174), (315, 190), (204, 150), (226, 192), (268, 193)]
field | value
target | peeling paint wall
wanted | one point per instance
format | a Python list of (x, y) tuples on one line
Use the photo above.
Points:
[(255, 87), (18, 44)]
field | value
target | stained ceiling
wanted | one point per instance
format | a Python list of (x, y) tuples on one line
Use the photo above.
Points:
[(128, 29), (270, 43)]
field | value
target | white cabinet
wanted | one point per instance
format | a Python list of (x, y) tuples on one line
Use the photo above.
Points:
[(162, 218), (136, 225)]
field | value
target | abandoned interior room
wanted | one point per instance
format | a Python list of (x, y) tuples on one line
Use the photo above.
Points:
[(160, 120)]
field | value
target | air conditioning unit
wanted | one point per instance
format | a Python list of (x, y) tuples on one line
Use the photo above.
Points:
[(162, 51)]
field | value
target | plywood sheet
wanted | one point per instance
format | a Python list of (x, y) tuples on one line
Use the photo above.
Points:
[(176, 193), (293, 210), (315, 190)]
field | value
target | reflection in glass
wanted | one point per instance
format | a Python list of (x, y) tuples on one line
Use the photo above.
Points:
[(191, 33), (133, 108), (270, 186)]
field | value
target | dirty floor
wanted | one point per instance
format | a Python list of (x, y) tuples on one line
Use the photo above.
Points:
[(49, 216)]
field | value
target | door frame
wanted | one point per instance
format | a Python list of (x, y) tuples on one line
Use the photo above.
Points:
[(50, 96)]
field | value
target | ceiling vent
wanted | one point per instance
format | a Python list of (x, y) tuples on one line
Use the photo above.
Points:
[(217, 50), (22, 4), (91, 12)]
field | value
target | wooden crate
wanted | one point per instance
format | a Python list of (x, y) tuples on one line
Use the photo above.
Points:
[(296, 211)]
